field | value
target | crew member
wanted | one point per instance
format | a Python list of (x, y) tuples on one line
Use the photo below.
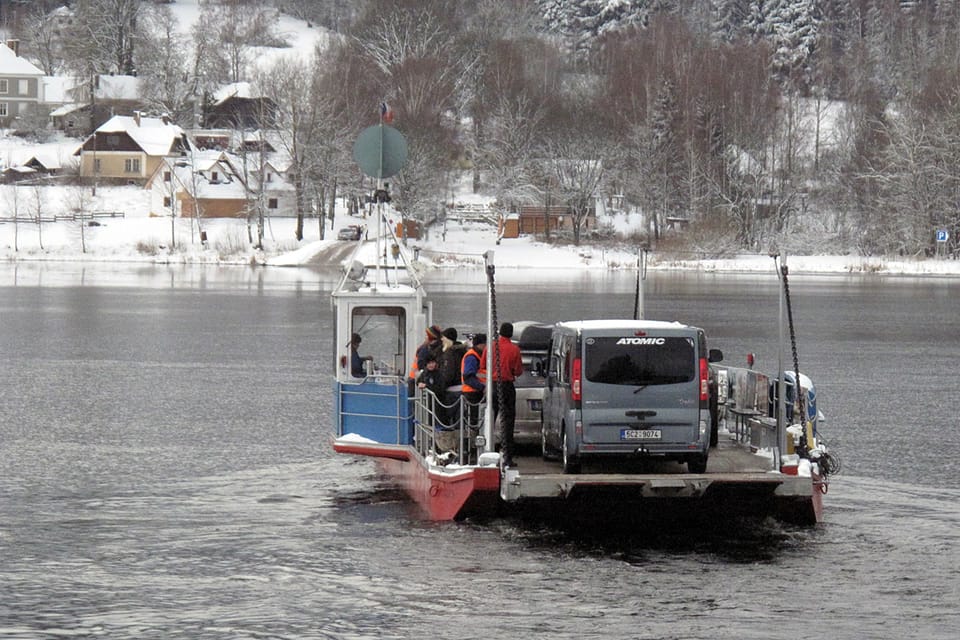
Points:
[(507, 366), (473, 375)]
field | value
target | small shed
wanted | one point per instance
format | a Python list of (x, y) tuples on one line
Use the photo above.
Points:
[(509, 226)]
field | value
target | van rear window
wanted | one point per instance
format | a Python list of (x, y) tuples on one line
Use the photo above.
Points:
[(640, 361)]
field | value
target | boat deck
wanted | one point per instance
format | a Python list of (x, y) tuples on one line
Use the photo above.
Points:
[(735, 478)]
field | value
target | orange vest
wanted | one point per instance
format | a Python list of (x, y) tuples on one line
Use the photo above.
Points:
[(481, 372)]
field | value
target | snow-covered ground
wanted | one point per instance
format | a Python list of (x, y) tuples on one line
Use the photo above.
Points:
[(137, 237)]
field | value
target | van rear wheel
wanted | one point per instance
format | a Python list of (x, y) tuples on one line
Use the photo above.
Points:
[(570, 463), (697, 464)]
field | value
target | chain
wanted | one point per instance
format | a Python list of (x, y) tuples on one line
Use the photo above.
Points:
[(800, 408), (495, 338)]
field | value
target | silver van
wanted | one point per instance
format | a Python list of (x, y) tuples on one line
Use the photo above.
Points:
[(627, 388)]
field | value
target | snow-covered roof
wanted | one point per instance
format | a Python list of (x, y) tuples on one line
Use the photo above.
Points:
[(66, 109), (153, 135), (233, 90), (13, 65)]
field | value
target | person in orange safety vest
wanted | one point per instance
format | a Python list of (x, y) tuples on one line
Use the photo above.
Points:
[(473, 376)]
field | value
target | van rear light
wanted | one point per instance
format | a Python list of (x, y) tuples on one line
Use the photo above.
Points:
[(704, 380), (576, 379)]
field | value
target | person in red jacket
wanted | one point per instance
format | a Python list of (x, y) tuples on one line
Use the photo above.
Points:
[(507, 366)]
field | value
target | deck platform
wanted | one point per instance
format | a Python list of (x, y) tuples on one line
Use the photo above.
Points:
[(736, 480)]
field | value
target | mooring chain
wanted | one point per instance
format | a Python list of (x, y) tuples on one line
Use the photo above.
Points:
[(494, 339), (800, 405)]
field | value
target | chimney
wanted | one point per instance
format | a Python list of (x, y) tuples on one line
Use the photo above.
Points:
[(136, 117), (14, 45)]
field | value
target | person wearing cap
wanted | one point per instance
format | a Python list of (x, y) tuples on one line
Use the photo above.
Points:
[(473, 377), (451, 355), (430, 347), (357, 369), (507, 367)]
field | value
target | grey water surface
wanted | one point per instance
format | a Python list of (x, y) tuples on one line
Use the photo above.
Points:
[(166, 471)]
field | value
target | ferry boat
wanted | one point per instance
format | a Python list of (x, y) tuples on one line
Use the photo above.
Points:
[(760, 463)]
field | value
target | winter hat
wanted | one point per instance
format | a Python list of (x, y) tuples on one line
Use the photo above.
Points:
[(480, 338), (450, 334), (434, 332)]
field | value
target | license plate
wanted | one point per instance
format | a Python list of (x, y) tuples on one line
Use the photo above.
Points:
[(639, 434)]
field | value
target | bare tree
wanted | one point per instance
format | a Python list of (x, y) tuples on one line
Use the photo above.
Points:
[(38, 214), (167, 81), (103, 35)]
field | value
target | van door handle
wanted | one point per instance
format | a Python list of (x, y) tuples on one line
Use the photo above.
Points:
[(640, 414)]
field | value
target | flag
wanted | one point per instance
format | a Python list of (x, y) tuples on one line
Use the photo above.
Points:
[(386, 113)]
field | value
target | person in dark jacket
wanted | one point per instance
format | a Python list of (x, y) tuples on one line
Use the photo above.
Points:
[(449, 361), (357, 369)]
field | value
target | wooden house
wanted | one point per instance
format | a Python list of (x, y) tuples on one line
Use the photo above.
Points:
[(129, 149)]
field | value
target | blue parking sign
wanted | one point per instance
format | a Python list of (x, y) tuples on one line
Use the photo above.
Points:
[(942, 235)]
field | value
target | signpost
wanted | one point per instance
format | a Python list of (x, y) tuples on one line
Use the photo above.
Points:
[(942, 236)]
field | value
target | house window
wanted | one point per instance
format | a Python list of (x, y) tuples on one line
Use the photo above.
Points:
[(272, 203), (24, 87), (113, 141), (166, 201), (214, 177), (166, 176), (131, 165), (269, 177), (4, 87), (3, 109), (96, 165)]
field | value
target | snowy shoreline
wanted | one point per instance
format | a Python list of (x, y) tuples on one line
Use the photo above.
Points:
[(141, 239)]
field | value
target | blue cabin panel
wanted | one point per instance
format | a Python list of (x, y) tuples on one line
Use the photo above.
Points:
[(380, 412)]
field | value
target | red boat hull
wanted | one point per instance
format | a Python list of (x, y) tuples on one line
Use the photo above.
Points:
[(441, 494)]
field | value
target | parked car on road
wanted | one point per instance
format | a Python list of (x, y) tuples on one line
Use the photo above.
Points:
[(352, 232)]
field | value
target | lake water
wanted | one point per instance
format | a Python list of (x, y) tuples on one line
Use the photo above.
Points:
[(166, 472)]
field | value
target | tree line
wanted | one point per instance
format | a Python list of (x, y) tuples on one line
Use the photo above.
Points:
[(825, 125)]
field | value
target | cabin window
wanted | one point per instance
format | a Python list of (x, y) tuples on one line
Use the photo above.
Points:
[(4, 86), (131, 165), (272, 203), (382, 332)]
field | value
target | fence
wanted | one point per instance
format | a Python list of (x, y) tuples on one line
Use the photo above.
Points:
[(73, 217)]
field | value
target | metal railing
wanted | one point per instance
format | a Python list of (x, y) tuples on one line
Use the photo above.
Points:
[(445, 428)]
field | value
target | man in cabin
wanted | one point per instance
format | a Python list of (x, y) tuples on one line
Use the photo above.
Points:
[(357, 368), (474, 377), (507, 367)]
